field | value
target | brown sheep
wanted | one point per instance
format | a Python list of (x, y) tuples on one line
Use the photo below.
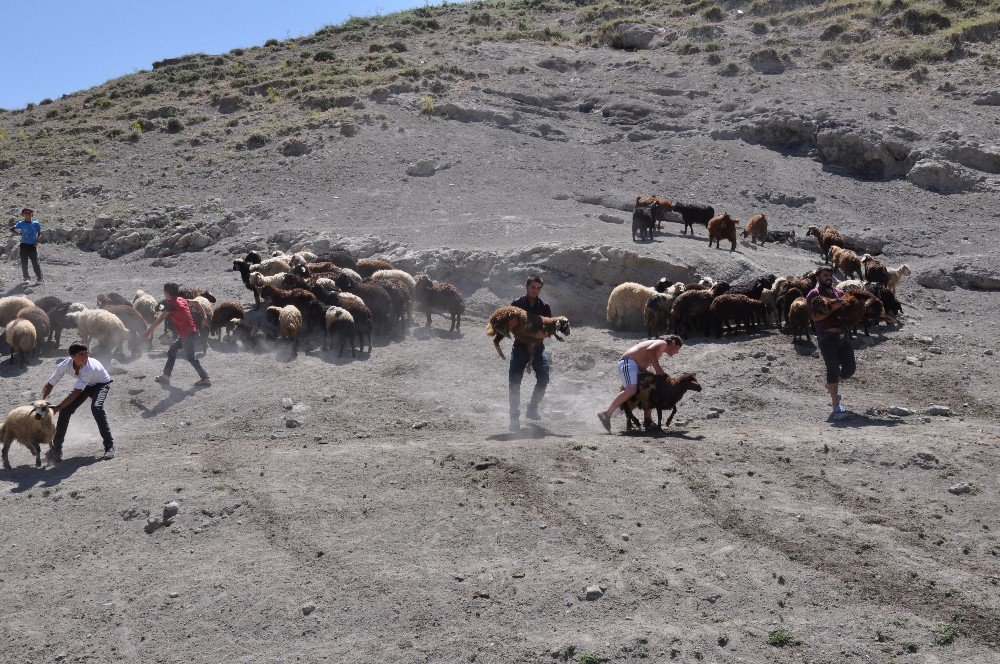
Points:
[(369, 266), (846, 260), (442, 297), (659, 210), (756, 228), (736, 308), (826, 238), (722, 227), (690, 310), (22, 338), (375, 297), (659, 392), (300, 298), (223, 315), (798, 319), (875, 270), (40, 319), (511, 320)]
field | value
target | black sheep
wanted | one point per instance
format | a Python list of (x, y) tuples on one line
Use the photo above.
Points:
[(693, 213)]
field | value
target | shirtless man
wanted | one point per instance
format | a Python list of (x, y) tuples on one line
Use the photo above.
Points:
[(636, 358)]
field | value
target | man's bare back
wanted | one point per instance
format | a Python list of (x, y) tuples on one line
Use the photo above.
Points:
[(646, 353)]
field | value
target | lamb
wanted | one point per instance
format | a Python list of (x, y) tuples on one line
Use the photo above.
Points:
[(722, 227), (510, 320), (644, 221), (248, 334), (133, 320), (734, 308), (10, 305), (298, 297), (201, 312), (243, 267), (656, 313), (875, 270), (22, 338), (769, 298), (626, 303), (846, 260), (442, 297), (399, 275), (282, 280), (693, 213), (56, 310), (32, 426), (289, 319), (896, 275), (110, 298), (146, 305), (38, 318), (785, 301), (366, 267), (753, 289), (849, 315), (268, 268), (756, 228), (107, 328), (659, 206), (375, 297), (362, 316), (873, 311), (664, 285), (659, 392), (850, 284), (298, 258), (223, 315), (316, 267), (798, 319), (888, 299), (339, 322), (826, 238), (691, 308)]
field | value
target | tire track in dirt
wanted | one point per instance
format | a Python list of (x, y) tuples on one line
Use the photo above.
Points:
[(888, 585)]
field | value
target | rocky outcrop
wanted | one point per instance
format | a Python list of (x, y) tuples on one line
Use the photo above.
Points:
[(779, 129), (977, 272), (767, 61), (943, 177), (984, 158), (631, 36), (864, 152)]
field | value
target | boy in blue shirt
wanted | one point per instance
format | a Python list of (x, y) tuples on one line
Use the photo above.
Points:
[(30, 231)]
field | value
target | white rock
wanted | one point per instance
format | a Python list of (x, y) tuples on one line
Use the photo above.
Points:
[(594, 593), (935, 409), (899, 410)]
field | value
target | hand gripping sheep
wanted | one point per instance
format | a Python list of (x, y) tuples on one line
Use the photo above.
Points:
[(32, 426), (510, 320)]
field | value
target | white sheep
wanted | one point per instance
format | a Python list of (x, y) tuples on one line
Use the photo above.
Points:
[(22, 339), (357, 278), (339, 322), (399, 275), (271, 266), (896, 275), (302, 258), (11, 305), (850, 284), (32, 426), (258, 280), (289, 320), (107, 328), (146, 305), (626, 303), (769, 297), (350, 298)]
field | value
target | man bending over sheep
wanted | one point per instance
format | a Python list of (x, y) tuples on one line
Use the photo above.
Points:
[(92, 382), (521, 356), (838, 354), (179, 311), (635, 359)]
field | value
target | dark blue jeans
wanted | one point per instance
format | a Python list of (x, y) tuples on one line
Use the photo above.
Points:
[(838, 354), (97, 394), (519, 359), (187, 343)]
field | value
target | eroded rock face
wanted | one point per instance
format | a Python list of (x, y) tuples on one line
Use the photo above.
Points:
[(977, 272), (864, 152), (980, 157), (780, 129), (943, 177)]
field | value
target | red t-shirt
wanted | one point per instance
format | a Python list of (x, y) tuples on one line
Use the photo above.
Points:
[(180, 316)]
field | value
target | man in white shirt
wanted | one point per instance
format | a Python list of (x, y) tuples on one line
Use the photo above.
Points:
[(93, 382)]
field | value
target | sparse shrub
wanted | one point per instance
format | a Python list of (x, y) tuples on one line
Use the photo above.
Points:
[(779, 638), (731, 69), (759, 28), (685, 47), (257, 140), (45, 101), (923, 20), (713, 13), (714, 58), (271, 42), (174, 125), (426, 105), (324, 56), (834, 30), (946, 634), (53, 112), (238, 51), (272, 94)]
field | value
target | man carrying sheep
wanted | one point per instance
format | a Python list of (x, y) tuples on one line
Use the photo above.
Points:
[(637, 358), (521, 356), (837, 351), (179, 311), (30, 231), (92, 382)]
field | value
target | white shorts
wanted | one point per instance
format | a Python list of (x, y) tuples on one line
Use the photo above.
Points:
[(629, 371)]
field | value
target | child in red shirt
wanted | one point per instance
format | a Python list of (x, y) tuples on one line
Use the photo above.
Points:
[(177, 308)]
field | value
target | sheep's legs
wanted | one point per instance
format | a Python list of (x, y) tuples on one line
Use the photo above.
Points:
[(672, 413), (6, 461)]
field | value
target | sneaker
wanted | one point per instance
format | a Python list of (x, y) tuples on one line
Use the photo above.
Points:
[(838, 415), (204, 382), (515, 424), (605, 420), (839, 409), (532, 414), (109, 453)]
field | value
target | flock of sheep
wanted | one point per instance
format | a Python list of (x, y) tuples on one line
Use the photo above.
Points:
[(717, 308)]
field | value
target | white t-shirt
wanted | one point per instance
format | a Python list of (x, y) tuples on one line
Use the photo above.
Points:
[(92, 373)]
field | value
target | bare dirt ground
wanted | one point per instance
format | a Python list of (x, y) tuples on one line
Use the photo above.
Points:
[(385, 514)]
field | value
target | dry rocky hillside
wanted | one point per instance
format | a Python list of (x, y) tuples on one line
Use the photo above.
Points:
[(376, 508)]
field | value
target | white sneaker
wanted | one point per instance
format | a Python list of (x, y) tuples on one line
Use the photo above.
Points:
[(838, 415)]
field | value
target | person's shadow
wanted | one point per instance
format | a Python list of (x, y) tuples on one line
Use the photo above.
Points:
[(527, 432), (28, 477), (175, 396), (856, 421), (661, 433)]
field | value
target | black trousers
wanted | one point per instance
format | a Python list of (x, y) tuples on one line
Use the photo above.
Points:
[(97, 394), (30, 252), (838, 355)]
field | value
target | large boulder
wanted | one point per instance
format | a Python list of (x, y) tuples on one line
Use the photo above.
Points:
[(980, 157), (943, 177), (767, 61), (632, 36)]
